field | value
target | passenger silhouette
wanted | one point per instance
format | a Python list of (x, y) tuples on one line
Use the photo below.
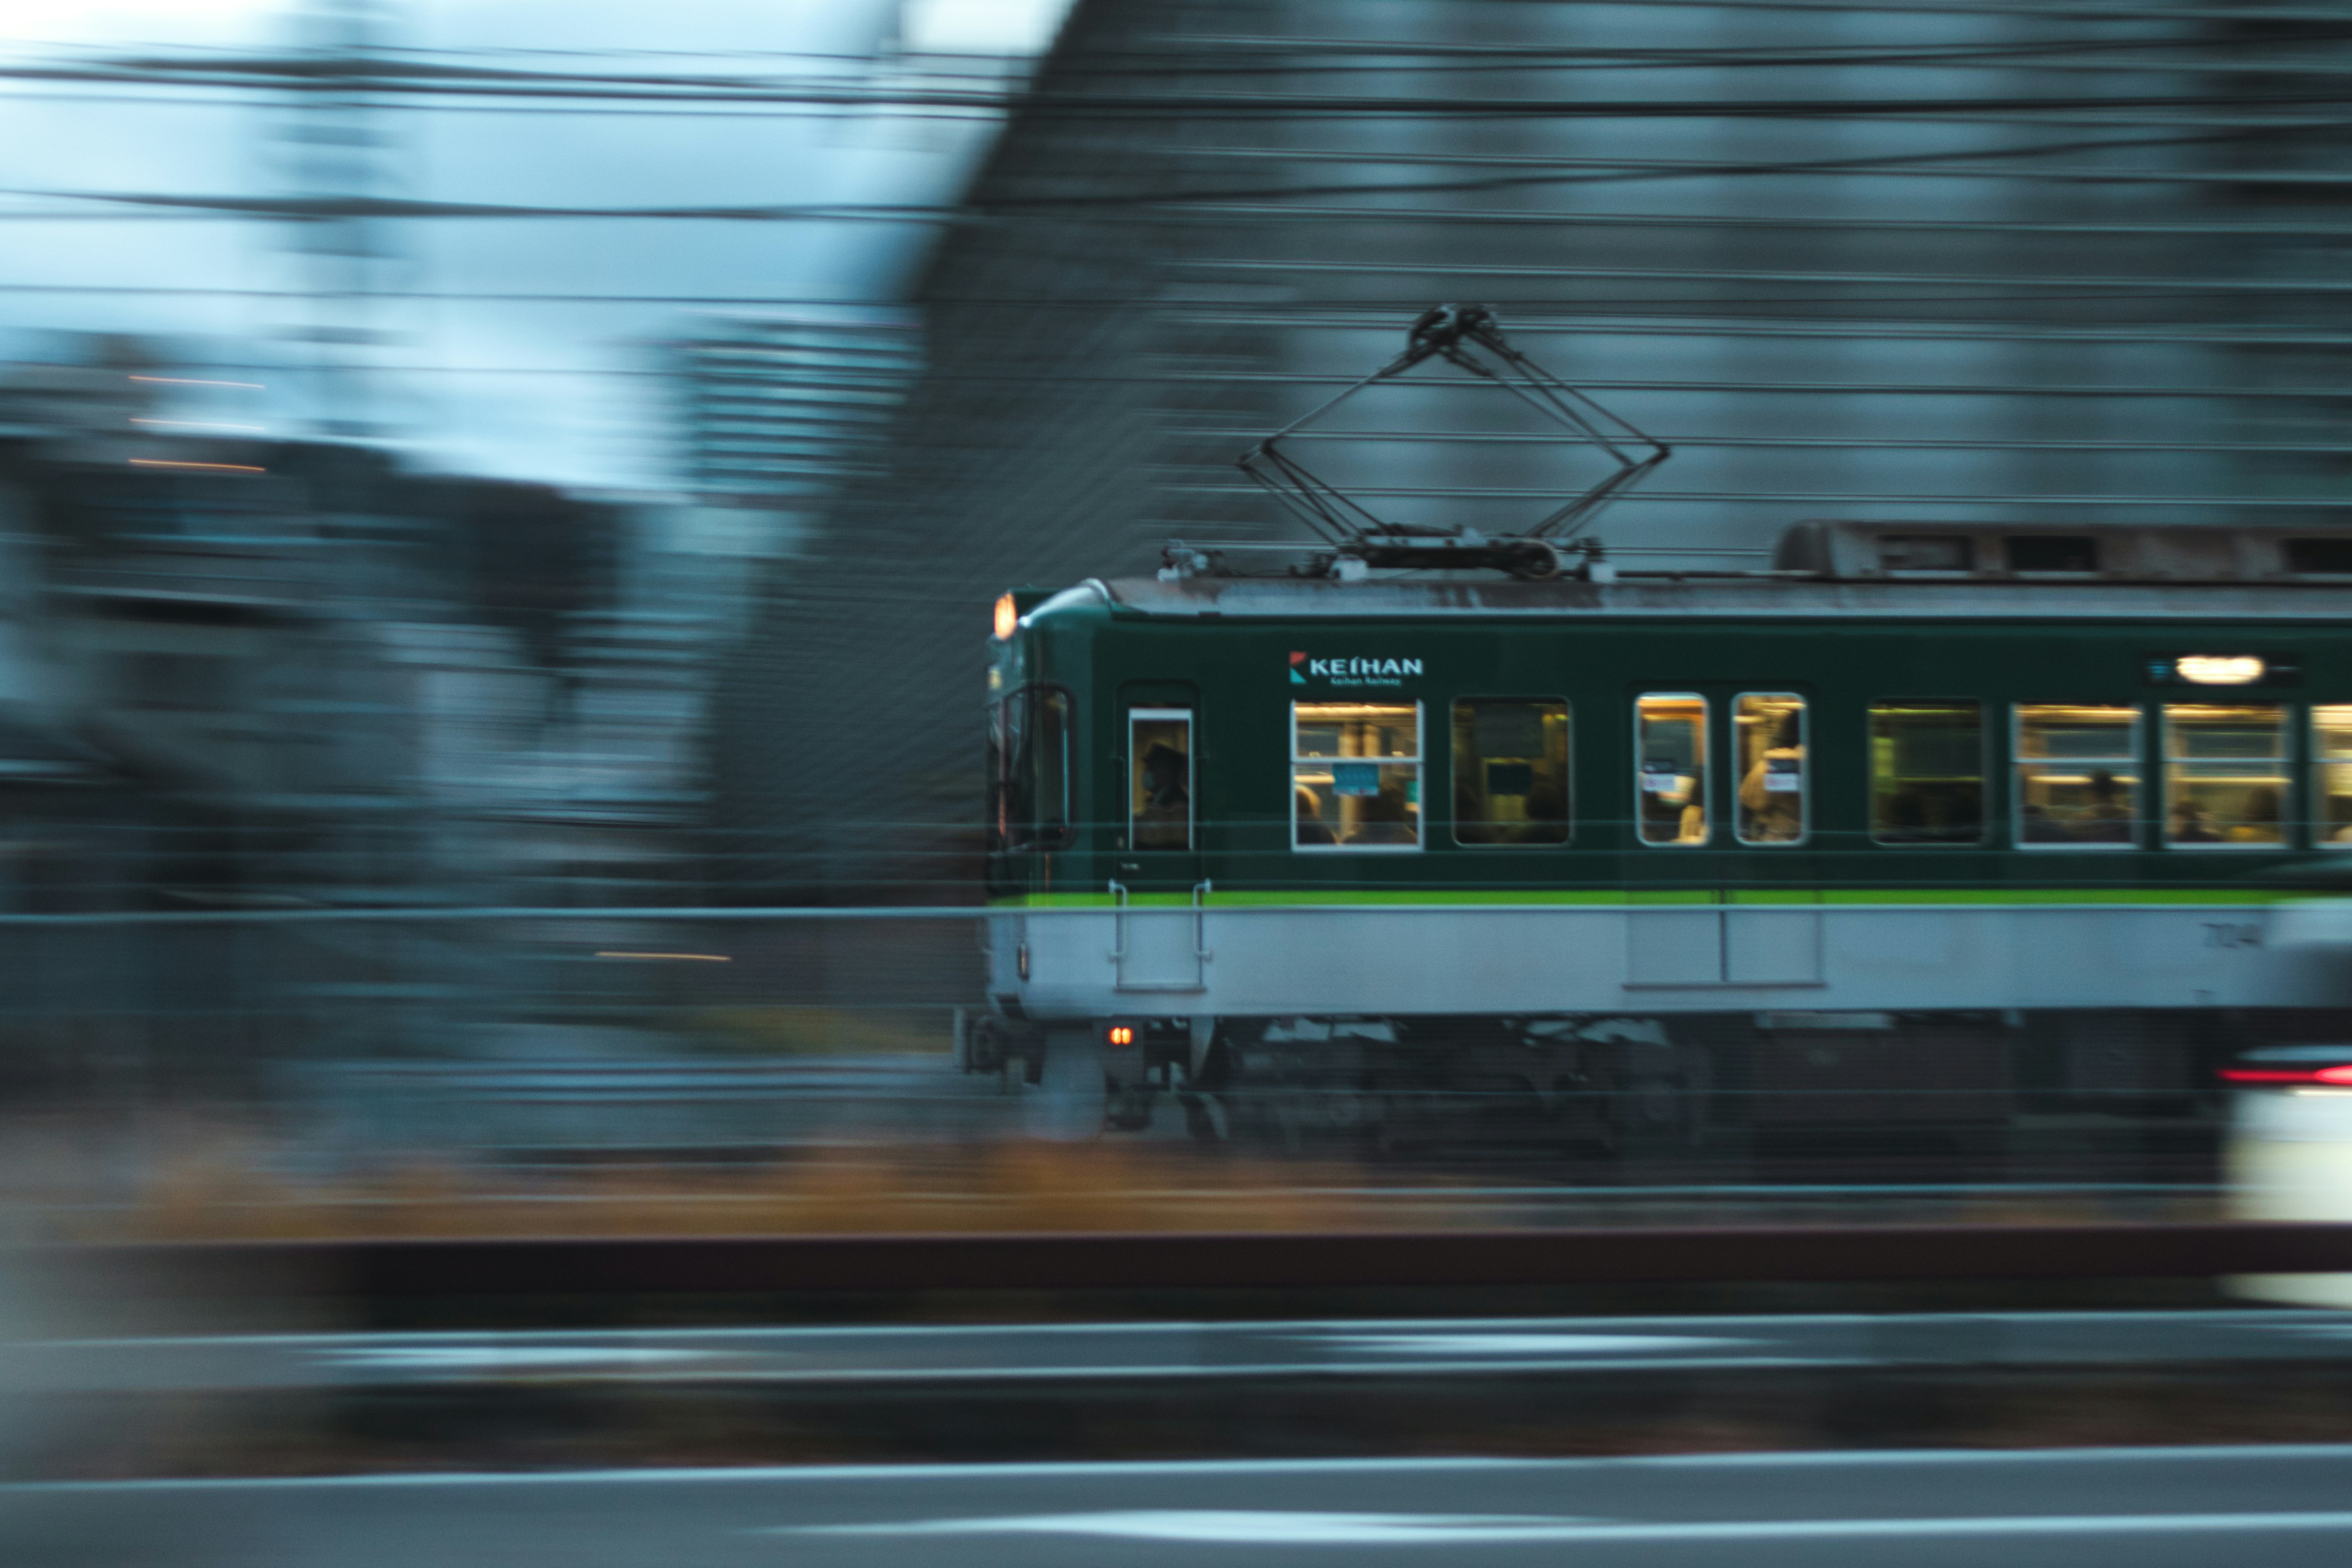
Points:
[(1769, 816), (1164, 820), (1308, 809), (2107, 819), (1382, 818)]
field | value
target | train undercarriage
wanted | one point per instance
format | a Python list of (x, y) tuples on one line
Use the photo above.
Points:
[(2062, 1089)]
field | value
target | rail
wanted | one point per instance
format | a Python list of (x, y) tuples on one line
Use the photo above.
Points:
[(558, 1266)]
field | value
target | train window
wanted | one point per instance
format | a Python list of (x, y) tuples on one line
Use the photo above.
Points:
[(2320, 557), (2224, 775), (2053, 553), (999, 836), (1355, 776), (1927, 771), (2078, 775), (1768, 734), (1670, 761), (1511, 770), (2331, 787), (1926, 551), (1160, 777), (1033, 769)]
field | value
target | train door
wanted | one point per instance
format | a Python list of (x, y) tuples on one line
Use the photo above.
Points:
[(1159, 889), (1726, 769), (1768, 807)]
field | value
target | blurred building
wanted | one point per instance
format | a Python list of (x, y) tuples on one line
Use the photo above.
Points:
[(778, 415), (241, 675), (1862, 262), (779, 411), (1033, 447)]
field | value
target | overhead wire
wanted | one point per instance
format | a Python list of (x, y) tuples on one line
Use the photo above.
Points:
[(387, 83), (354, 207), (1337, 56)]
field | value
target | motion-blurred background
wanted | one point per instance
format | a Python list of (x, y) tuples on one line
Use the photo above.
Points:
[(500, 503), (463, 466)]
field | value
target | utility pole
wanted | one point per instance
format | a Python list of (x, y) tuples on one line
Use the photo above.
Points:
[(339, 157)]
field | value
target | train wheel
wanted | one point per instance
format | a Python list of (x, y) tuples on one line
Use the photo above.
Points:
[(1206, 1098), (1127, 1108), (1204, 1118), (1071, 1097)]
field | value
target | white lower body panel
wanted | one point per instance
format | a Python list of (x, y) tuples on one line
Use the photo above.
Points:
[(1243, 960)]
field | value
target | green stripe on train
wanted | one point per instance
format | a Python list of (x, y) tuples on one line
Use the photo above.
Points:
[(1645, 897)]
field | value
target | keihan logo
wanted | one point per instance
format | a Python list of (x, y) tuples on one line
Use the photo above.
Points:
[(1352, 671)]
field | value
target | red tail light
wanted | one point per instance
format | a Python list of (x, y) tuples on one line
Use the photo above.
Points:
[(1119, 1035), (2336, 1075)]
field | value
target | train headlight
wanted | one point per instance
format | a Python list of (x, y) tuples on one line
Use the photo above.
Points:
[(1119, 1035), (2219, 670), (1008, 618)]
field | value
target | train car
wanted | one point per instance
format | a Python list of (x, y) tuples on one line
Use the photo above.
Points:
[(1400, 833)]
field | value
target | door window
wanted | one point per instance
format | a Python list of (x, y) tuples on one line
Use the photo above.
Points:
[(1160, 777), (1767, 732), (1355, 776), (1670, 768)]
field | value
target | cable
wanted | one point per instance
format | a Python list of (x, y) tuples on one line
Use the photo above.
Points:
[(354, 206), (1813, 498), (304, 74), (1245, 56)]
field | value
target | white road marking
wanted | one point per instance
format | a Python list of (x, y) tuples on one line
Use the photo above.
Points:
[(2265, 1457), (520, 1358), (1236, 1527), (1526, 1344)]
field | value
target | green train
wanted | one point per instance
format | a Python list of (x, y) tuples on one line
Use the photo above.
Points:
[(1922, 775)]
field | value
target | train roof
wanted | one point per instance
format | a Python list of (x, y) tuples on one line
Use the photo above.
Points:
[(1284, 599), (1836, 570)]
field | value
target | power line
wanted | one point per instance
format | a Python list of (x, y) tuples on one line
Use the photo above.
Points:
[(1818, 498), (2286, 178), (1527, 316), (1233, 55), (303, 74), (2113, 287), (345, 207), (1701, 442), (1848, 223)]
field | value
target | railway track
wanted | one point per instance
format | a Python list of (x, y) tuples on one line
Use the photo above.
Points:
[(397, 1268)]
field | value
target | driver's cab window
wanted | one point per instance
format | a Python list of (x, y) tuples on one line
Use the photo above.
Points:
[(1029, 764), (1160, 777)]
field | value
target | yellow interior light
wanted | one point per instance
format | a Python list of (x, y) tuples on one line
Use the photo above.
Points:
[(2220, 669), (1008, 618)]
